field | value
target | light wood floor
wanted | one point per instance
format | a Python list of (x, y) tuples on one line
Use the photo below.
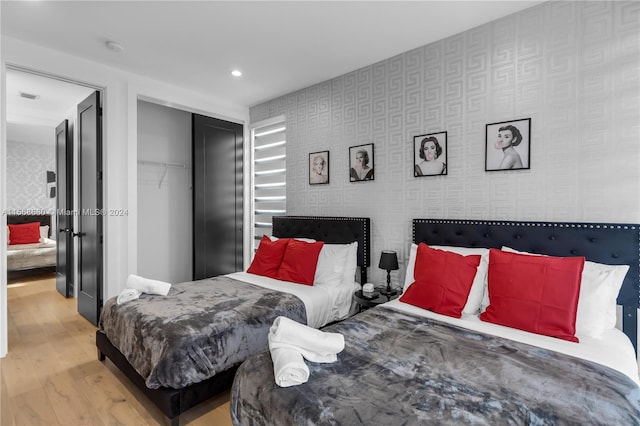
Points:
[(51, 375)]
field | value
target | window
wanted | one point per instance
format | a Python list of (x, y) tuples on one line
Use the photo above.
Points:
[(269, 176)]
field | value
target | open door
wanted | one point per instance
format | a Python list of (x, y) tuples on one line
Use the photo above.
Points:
[(64, 206), (89, 231)]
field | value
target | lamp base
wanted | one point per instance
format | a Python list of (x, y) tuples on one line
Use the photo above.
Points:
[(386, 292)]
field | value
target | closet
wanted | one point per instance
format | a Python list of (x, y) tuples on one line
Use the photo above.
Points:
[(189, 194)]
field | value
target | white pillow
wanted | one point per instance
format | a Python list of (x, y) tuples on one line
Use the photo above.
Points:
[(599, 290), (44, 232), (351, 264), (474, 299), (331, 264)]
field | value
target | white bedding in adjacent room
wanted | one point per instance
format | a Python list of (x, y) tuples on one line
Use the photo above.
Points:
[(323, 304), (614, 349), (30, 256)]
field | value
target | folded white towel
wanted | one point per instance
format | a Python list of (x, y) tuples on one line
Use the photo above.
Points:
[(289, 368), (127, 295), (147, 285), (314, 345)]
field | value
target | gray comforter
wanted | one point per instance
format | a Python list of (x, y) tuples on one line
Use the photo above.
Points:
[(198, 330), (400, 369)]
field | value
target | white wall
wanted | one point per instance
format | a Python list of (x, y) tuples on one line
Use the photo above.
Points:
[(120, 125), (165, 204)]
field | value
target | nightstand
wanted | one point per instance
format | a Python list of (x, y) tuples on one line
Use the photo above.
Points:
[(366, 303)]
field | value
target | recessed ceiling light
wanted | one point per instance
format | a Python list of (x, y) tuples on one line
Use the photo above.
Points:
[(115, 46), (236, 73), (28, 96)]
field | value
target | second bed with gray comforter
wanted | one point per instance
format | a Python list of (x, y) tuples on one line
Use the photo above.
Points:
[(198, 330)]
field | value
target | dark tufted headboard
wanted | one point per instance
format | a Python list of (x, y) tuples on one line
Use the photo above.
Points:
[(331, 230), (608, 243), (44, 219)]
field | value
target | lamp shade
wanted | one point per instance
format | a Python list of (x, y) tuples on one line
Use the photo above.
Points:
[(388, 260)]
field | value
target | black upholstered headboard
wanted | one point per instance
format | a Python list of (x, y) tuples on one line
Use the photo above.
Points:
[(44, 219), (608, 243), (331, 230)]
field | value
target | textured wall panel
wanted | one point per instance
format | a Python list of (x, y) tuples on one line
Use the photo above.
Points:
[(573, 67), (27, 166)]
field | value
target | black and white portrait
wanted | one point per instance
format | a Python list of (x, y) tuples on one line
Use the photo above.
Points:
[(319, 168), (508, 145), (361, 163), (430, 154)]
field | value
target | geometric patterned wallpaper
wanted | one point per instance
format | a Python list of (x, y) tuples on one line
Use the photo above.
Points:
[(27, 165), (572, 67)]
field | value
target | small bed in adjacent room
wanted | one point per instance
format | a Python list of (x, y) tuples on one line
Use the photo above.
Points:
[(31, 250), (479, 336), (182, 348)]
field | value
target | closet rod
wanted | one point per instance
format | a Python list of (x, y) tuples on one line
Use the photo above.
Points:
[(158, 163)]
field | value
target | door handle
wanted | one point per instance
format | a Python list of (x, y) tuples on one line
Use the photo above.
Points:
[(64, 230), (77, 234)]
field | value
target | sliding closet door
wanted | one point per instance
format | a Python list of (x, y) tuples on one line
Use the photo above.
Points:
[(217, 196)]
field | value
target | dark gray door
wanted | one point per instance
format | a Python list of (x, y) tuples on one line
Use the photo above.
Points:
[(217, 196), (64, 206), (89, 232)]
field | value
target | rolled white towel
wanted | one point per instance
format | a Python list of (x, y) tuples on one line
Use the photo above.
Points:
[(314, 345), (147, 285), (127, 295), (289, 368)]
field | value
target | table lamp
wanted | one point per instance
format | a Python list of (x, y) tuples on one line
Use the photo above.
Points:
[(389, 262)]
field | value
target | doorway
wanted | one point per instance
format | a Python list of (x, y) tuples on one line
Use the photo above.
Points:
[(37, 107)]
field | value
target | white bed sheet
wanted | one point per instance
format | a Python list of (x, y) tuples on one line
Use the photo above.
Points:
[(614, 349), (323, 304)]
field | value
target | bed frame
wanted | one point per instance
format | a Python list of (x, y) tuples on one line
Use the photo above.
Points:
[(16, 219), (173, 402), (608, 243)]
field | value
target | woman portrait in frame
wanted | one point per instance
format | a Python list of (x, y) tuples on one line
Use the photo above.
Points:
[(319, 168), (508, 145), (361, 163), (430, 154)]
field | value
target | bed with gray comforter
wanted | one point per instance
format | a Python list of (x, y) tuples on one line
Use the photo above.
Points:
[(198, 330), (401, 369)]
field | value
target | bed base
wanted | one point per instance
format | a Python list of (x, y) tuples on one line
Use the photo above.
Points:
[(171, 402), (608, 243)]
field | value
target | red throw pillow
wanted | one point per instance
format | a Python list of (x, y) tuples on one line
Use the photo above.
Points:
[(538, 294), (442, 280), (300, 261), (25, 233), (268, 257)]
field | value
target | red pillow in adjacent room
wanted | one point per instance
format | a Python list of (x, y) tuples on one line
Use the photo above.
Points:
[(268, 257), (25, 233), (300, 261), (442, 280), (538, 294)]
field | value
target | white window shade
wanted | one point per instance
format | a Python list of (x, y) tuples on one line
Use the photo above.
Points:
[(269, 176)]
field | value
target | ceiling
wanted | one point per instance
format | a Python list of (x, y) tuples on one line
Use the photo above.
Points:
[(280, 46)]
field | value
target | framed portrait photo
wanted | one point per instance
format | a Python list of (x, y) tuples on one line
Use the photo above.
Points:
[(319, 168), (361, 164), (430, 154), (508, 145)]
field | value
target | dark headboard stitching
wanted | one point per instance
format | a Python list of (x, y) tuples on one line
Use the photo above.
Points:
[(332, 230), (15, 219), (609, 243)]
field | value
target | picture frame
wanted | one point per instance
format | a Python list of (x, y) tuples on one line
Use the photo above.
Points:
[(361, 163), (513, 156), (319, 168), (430, 154)]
